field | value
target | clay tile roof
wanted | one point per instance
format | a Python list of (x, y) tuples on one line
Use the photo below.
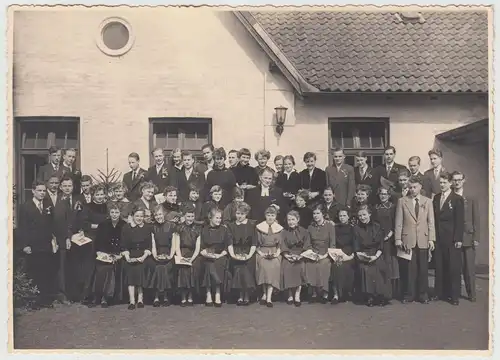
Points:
[(441, 51)]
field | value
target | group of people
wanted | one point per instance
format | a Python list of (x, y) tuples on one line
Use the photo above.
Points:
[(185, 231)]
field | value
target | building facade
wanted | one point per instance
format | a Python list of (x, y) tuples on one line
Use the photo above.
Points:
[(120, 80)]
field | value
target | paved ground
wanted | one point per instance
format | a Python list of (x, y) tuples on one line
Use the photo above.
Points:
[(346, 326)]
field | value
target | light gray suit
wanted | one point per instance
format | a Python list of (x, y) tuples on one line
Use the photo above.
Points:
[(415, 232)]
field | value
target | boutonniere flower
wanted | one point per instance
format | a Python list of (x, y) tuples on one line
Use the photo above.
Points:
[(164, 173), (344, 172), (422, 206), (369, 175), (78, 206), (450, 206), (48, 210), (141, 176), (77, 172)]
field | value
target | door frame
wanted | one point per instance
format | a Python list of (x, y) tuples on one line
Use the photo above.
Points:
[(19, 152)]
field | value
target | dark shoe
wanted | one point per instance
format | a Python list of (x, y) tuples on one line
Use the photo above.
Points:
[(166, 302), (269, 305), (262, 302), (140, 305), (424, 301), (297, 303), (384, 302), (218, 305), (240, 302), (104, 304), (454, 302), (86, 302), (289, 302), (472, 299), (131, 306), (370, 302), (406, 301), (156, 303), (335, 301), (434, 298), (183, 303), (324, 300), (190, 303), (209, 304)]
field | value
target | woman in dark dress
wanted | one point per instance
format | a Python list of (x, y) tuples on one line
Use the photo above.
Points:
[(245, 175), (312, 178), (221, 176), (300, 206), (147, 201), (343, 271), (331, 205), (265, 195), (108, 278), (162, 250), (368, 250), (214, 242), (214, 202), (241, 248), (136, 249), (172, 208), (289, 180), (188, 248), (322, 235), (293, 272), (385, 215)]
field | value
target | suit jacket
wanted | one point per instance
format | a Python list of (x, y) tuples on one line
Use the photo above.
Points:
[(471, 220), (413, 231), (430, 183), (35, 228), (314, 183), (381, 170), (75, 174), (343, 182), (196, 178), (48, 200), (449, 220), (133, 187), (69, 218), (259, 204), (46, 171), (161, 179)]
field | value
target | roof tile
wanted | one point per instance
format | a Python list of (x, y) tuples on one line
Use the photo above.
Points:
[(373, 51)]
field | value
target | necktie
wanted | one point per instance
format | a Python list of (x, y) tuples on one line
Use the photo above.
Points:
[(416, 207), (270, 230), (443, 198), (436, 173), (40, 206), (133, 175)]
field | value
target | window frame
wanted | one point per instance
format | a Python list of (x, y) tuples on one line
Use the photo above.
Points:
[(352, 151), (178, 121)]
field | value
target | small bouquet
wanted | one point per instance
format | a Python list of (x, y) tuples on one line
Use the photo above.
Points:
[(47, 210), (78, 206), (294, 257), (164, 173)]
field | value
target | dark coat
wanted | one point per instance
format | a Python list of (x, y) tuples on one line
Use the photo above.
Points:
[(197, 179), (471, 217), (76, 175), (430, 184), (259, 204), (245, 175), (46, 171), (225, 179), (133, 187), (290, 184), (316, 183), (449, 220), (380, 171), (161, 179), (35, 228), (69, 219)]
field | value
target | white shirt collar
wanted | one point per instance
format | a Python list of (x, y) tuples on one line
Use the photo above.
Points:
[(37, 202), (460, 192), (445, 194), (438, 169), (389, 166), (244, 222), (55, 166), (158, 167), (264, 191), (188, 171)]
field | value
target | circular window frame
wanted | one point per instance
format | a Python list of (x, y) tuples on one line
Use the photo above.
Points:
[(100, 41)]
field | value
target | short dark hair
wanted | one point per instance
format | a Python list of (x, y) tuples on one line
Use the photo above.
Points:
[(415, 180), (262, 152), (364, 207), (220, 153), (134, 155), (244, 151), (188, 208), (390, 147), (170, 188), (66, 178), (329, 187), (238, 193), (446, 175), (37, 183), (459, 173), (289, 157), (86, 178), (53, 150), (278, 157), (193, 187), (233, 151), (364, 188), (186, 153), (338, 149), (210, 146), (435, 152), (309, 155), (404, 172)]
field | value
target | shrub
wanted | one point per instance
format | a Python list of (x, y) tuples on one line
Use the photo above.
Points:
[(24, 291)]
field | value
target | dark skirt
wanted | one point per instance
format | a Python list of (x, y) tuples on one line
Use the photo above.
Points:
[(214, 272), (391, 260), (293, 274), (108, 281), (162, 277), (343, 276), (139, 274), (242, 274), (318, 273), (81, 265), (373, 278), (188, 277)]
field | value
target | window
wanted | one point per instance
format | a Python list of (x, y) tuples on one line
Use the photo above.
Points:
[(34, 136), (355, 134), (184, 133), (115, 36)]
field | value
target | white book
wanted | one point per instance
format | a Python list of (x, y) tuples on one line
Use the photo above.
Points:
[(403, 254)]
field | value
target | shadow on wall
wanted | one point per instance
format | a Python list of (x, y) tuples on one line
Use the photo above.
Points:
[(472, 160)]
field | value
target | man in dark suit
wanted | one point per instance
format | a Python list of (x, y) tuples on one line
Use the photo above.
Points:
[(53, 167), (175, 167), (35, 229), (134, 177), (390, 170), (207, 165), (449, 221), (69, 169), (312, 179), (340, 176), (471, 235), (52, 195), (159, 173), (86, 187), (189, 176), (431, 182)]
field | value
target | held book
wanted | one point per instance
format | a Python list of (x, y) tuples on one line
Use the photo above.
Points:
[(80, 239), (338, 254), (179, 260), (403, 254)]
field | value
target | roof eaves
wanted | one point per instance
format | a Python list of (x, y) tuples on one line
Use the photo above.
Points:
[(273, 51)]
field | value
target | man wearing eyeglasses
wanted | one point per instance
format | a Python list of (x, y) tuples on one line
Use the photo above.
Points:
[(471, 235)]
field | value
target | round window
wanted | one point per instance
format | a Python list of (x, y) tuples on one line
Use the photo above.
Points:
[(115, 37)]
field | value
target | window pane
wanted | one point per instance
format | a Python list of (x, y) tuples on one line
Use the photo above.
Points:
[(66, 135), (358, 134), (377, 160), (34, 135), (378, 135), (167, 135), (364, 136), (195, 135)]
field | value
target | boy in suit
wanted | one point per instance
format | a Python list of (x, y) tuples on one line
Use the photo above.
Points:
[(134, 177), (390, 170), (53, 167), (69, 169), (471, 235), (35, 231), (312, 179), (159, 173), (415, 232), (449, 221), (86, 187), (52, 195), (208, 162), (432, 176), (188, 177), (340, 177)]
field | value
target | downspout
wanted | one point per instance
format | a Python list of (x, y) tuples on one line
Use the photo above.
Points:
[(264, 111)]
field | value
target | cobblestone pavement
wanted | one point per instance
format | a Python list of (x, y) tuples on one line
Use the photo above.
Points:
[(313, 326)]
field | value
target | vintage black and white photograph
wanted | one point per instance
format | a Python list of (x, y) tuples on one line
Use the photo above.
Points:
[(308, 178)]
